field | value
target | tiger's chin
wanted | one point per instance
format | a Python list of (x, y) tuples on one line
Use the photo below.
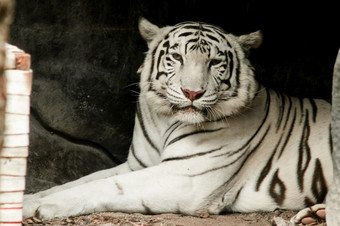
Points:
[(190, 115)]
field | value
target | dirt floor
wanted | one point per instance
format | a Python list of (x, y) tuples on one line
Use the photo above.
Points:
[(278, 218)]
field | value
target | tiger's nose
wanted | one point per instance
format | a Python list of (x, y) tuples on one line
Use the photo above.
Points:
[(192, 95)]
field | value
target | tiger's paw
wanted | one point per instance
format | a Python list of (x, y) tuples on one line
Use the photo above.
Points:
[(311, 215), (40, 209), (29, 207), (48, 209), (56, 205)]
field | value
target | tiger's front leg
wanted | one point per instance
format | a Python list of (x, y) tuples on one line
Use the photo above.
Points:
[(156, 189), (121, 169)]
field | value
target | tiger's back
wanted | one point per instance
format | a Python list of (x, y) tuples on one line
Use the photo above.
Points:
[(292, 165)]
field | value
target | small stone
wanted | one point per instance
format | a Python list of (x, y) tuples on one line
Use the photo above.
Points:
[(202, 214), (69, 220), (29, 221), (277, 212), (37, 220)]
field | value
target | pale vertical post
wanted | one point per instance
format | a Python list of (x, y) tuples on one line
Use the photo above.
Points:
[(333, 197), (15, 90), (14, 152)]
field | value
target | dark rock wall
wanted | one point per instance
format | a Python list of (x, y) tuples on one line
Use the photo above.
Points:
[(85, 55)]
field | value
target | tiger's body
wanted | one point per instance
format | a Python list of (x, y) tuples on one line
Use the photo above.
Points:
[(208, 138)]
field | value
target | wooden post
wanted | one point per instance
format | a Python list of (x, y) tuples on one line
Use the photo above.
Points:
[(5, 19), (15, 90), (14, 152)]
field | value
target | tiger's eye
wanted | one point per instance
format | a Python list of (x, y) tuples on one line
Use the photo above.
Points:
[(214, 62), (177, 57)]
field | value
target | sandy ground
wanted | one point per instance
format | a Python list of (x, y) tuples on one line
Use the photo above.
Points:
[(278, 217)]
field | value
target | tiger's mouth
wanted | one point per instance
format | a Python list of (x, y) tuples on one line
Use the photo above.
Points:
[(188, 110), (189, 114)]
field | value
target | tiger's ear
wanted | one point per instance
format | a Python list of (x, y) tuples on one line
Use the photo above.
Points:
[(251, 41), (147, 30)]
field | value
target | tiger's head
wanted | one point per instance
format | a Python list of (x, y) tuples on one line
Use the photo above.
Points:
[(197, 72)]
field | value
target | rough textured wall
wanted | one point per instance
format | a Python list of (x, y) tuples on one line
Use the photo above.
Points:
[(84, 57), (85, 54)]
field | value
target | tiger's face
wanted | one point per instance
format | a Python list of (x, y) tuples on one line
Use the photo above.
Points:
[(196, 72)]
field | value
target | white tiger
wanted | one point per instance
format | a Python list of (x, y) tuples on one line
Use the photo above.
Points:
[(208, 138)]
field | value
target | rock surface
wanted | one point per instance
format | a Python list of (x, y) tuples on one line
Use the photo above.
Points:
[(82, 106)]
